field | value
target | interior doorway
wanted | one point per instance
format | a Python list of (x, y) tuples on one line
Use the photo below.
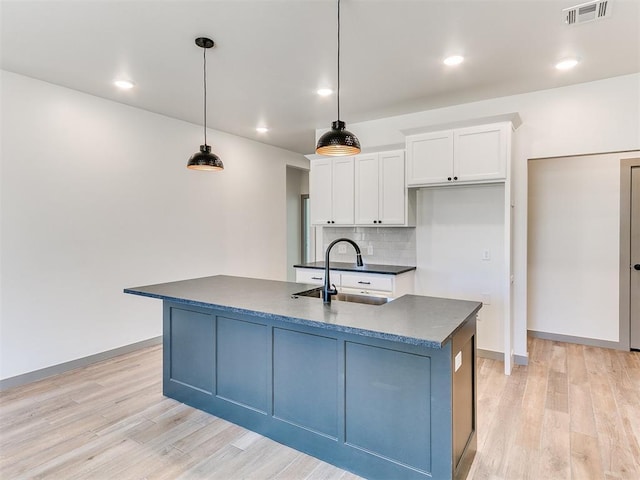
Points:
[(630, 250), (578, 249), (297, 188)]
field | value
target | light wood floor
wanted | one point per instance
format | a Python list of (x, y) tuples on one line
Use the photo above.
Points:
[(572, 413)]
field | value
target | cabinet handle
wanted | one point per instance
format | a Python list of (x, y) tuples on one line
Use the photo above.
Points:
[(316, 278), (364, 283), (379, 221), (328, 221), (375, 221), (637, 266), (333, 221), (449, 178), (455, 178)]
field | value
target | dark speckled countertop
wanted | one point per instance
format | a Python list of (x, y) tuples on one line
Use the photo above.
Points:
[(413, 319), (352, 267)]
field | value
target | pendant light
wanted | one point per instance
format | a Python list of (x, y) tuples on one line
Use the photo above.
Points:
[(338, 141), (204, 159)]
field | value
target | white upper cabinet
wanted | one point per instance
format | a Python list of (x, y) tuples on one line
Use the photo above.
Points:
[(368, 189), (320, 189), (331, 187), (466, 155), (480, 153), (380, 190), (429, 158), (392, 205), (342, 192)]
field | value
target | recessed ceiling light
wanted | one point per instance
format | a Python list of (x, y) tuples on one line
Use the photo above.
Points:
[(567, 64), (454, 60), (324, 92), (124, 84), (262, 129)]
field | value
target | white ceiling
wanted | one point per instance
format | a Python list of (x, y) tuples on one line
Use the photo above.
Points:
[(272, 55)]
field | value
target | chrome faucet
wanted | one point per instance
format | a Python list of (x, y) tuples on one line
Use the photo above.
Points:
[(328, 289)]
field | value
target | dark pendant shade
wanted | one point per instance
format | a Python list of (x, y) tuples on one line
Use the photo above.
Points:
[(205, 160), (338, 142)]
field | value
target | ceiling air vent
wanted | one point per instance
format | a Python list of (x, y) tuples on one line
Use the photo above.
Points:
[(586, 12)]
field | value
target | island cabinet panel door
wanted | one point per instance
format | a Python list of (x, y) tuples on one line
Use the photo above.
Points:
[(305, 381), (388, 405), (190, 350), (243, 363)]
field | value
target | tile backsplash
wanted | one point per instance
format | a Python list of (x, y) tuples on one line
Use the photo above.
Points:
[(391, 246)]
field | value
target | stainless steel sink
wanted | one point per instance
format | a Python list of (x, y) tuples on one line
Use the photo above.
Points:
[(344, 297)]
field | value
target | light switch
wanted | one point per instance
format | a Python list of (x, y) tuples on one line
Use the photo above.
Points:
[(458, 360), (486, 254)]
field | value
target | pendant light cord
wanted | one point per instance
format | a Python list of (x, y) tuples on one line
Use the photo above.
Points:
[(338, 94), (204, 53)]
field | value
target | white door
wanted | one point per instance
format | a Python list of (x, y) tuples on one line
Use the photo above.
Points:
[(480, 153), (430, 158), (320, 191), (392, 189), (342, 191), (634, 294), (367, 189)]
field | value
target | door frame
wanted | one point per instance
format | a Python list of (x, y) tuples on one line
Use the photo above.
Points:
[(625, 250), (306, 233)]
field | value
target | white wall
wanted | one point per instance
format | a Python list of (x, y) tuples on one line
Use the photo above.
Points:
[(601, 116), (96, 197), (455, 225)]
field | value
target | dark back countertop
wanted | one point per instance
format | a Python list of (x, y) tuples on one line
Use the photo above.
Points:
[(352, 267), (412, 319)]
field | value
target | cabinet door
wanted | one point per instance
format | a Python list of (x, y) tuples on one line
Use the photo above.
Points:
[(366, 189), (320, 191), (310, 275), (343, 191), (480, 153), (368, 283), (392, 196), (430, 158)]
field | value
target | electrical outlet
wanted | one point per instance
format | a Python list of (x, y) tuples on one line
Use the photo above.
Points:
[(486, 255), (370, 250), (342, 249)]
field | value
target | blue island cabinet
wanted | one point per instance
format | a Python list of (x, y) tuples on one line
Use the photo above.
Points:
[(378, 408)]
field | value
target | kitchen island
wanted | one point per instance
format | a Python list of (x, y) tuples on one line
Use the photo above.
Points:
[(384, 391)]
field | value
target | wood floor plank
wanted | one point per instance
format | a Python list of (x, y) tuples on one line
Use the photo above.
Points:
[(616, 456), (585, 457), (573, 413), (533, 403), (301, 467), (555, 454)]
